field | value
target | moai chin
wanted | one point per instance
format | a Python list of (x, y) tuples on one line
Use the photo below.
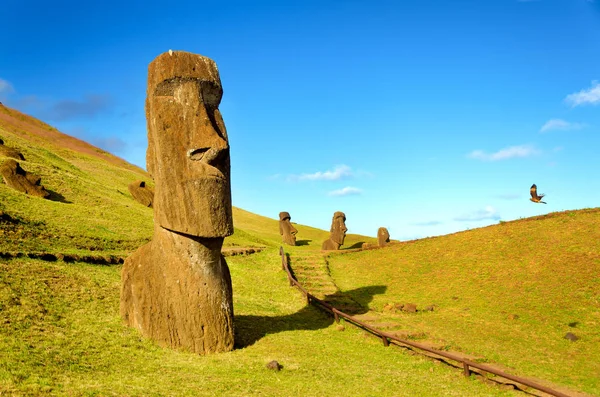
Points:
[(338, 232), (287, 231), (383, 237), (177, 288)]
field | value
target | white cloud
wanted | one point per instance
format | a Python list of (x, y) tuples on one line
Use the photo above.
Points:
[(480, 215), (338, 172), (561, 125), (5, 88), (504, 154), (586, 96), (426, 223), (347, 191)]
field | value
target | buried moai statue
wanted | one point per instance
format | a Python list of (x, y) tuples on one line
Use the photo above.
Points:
[(287, 231), (21, 180), (141, 193), (383, 239), (177, 288), (10, 152), (383, 236), (338, 232)]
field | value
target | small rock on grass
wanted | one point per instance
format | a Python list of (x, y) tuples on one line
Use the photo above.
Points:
[(274, 365), (571, 336)]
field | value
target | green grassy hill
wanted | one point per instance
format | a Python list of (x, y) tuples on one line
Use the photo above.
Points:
[(61, 334), (507, 293)]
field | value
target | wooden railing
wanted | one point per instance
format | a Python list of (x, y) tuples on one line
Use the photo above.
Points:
[(387, 338)]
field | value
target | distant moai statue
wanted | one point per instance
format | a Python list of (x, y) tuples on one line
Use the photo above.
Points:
[(141, 193), (383, 236), (21, 180), (337, 233), (383, 239), (177, 288), (10, 152), (287, 231)]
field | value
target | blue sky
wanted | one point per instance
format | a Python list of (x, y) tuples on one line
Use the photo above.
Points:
[(423, 117)]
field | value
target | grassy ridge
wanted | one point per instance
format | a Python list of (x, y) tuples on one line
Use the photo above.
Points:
[(90, 207), (507, 293)]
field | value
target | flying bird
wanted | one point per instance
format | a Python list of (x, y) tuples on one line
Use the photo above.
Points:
[(534, 196)]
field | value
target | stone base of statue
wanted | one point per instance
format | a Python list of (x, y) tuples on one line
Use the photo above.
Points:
[(177, 290), (329, 245)]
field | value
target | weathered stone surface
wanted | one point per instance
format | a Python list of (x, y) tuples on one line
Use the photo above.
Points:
[(177, 288), (10, 152), (177, 291), (141, 193), (337, 233), (21, 180), (287, 231), (188, 148), (383, 237)]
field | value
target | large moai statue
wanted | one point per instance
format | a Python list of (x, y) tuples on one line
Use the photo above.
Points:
[(177, 288), (21, 180), (383, 237), (338, 232), (287, 231)]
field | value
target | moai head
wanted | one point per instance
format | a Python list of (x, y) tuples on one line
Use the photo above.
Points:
[(287, 231), (188, 149), (10, 152), (383, 236), (338, 228), (21, 180), (141, 193)]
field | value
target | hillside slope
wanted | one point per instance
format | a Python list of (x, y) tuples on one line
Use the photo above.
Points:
[(507, 293), (91, 209)]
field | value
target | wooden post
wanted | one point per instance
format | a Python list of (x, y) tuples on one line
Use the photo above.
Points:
[(466, 369)]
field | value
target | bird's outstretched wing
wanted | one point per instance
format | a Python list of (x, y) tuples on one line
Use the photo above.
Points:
[(533, 191), (534, 195)]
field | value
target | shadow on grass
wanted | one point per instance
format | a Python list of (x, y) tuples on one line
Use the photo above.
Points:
[(302, 242), (249, 329), (55, 196), (354, 246)]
